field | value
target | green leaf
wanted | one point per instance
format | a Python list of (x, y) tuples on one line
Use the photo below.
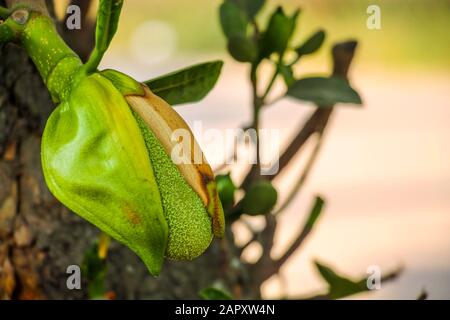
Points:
[(315, 212), (107, 22), (124, 83), (251, 7), (242, 49), (312, 44), (226, 189), (340, 286), (187, 85), (279, 32), (233, 19), (287, 74), (325, 92), (260, 198), (215, 294)]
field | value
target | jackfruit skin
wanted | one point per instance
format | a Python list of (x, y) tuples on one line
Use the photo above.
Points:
[(95, 162), (190, 226)]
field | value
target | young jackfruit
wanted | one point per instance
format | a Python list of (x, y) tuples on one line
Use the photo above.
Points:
[(106, 148)]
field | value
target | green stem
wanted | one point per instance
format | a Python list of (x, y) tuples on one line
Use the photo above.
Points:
[(107, 22), (301, 180), (257, 104), (55, 61), (271, 83), (94, 61), (274, 77)]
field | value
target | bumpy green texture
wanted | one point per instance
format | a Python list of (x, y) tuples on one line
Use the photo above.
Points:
[(190, 231), (95, 162)]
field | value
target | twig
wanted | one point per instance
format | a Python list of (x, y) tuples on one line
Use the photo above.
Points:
[(293, 193), (314, 124), (260, 268), (275, 265), (273, 79)]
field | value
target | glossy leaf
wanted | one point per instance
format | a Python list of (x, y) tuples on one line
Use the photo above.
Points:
[(187, 85), (312, 44), (325, 92), (242, 49), (233, 19), (279, 32), (107, 22)]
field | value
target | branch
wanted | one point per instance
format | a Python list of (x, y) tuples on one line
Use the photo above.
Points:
[(292, 195), (315, 123), (260, 268), (271, 267)]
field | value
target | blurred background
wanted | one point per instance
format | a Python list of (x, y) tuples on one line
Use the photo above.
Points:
[(384, 169)]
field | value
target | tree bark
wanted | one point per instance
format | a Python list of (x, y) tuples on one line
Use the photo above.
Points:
[(40, 238)]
